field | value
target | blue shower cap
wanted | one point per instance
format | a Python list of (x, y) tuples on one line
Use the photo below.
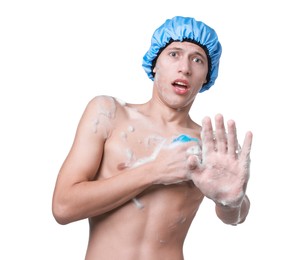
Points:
[(185, 29)]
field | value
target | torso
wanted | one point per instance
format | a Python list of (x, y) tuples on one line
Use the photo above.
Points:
[(154, 224)]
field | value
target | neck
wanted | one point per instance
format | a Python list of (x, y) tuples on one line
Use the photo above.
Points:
[(161, 112)]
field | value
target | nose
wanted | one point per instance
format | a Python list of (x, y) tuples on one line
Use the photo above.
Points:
[(184, 66)]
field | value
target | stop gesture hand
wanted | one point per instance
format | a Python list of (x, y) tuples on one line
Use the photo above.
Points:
[(223, 172)]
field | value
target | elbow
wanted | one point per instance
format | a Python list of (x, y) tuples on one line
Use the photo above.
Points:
[(232, 222), (234, 216), (61, 213), (235, 222)]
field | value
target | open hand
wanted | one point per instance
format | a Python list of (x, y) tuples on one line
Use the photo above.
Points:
[(223, 172)]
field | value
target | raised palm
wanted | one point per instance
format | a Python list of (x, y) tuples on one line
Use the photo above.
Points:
[(223, 171)]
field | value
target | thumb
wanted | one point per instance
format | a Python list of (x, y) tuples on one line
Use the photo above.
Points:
[(193, 162)]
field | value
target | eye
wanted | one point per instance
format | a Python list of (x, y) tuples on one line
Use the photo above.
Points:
[(198, 60), (173, 54)]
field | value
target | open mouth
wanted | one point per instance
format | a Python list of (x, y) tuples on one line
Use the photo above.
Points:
[(180, 87)]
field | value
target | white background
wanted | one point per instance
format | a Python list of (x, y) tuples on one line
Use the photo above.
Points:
[(56, 55)]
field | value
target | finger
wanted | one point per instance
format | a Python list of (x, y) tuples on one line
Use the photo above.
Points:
[(193, 162), (207, 137), (221, 140), (245, 153), (233, 146)]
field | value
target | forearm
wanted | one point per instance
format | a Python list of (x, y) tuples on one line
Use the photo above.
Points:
[(91, 198), (233, 216)]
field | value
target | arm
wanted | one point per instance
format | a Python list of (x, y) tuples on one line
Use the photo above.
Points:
[(77, 194)]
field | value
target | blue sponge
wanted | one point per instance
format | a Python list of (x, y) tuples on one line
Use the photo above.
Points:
[(185, 138)]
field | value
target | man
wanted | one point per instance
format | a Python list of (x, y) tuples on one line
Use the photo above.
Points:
[(139, 172)]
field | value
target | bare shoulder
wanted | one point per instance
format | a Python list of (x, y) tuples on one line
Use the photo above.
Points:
[(101, 112), (107, 105), (103, 105)]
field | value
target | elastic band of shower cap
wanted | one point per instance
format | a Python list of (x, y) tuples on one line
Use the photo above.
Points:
[(185, 29)]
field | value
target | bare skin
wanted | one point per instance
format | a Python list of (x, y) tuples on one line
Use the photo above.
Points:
[(139, 190)]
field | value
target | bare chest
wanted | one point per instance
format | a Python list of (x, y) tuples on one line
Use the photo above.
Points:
[(131, 143)]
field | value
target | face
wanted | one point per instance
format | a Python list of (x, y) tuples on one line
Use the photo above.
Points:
[(180, 72)]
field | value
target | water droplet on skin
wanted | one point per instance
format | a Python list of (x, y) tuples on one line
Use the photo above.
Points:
[(131, 129), (138, 203)]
